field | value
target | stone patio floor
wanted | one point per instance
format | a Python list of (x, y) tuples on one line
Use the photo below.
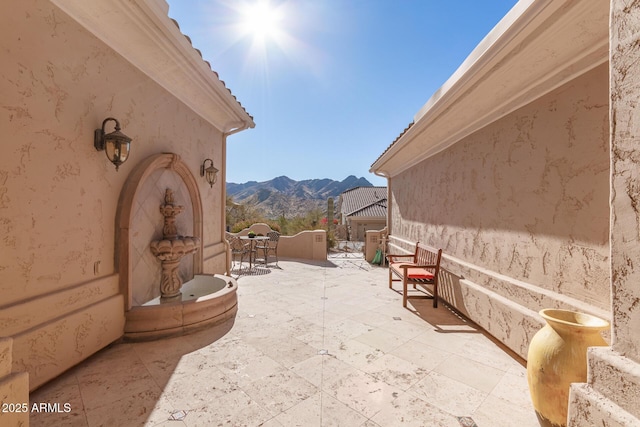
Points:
[(313, 344)]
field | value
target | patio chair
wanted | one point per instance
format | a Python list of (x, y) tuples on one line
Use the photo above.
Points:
[(239, 249), (269, 246)]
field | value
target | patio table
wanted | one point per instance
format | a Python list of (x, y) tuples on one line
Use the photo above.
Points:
[(252, 241)]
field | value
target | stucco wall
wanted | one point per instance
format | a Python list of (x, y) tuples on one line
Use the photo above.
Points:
[(359, 227), (308, 244), (14, 387), (520, 209), (58, 195), (625, 236), (610, 396)]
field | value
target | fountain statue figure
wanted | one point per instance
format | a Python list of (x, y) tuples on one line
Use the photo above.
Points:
[(171, 249)]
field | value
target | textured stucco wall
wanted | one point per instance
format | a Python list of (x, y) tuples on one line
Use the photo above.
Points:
[(58, 195), (359, 227), (610, 396), (625, 181), (520, 209), (14, 387)]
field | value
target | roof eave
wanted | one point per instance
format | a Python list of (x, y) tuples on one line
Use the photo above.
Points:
[(142, 33), (538, 46)]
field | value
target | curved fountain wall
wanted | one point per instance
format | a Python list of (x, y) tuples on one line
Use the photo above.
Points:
[(147, 225), (140, 222)]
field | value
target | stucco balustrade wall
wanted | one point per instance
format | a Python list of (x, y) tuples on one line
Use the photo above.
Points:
[(521, 210), (58, 196)]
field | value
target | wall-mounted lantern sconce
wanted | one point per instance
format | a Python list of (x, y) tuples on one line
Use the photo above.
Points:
[(210, 173), (115, 144)]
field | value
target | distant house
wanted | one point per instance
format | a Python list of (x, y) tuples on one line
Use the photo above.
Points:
[(361, 209)]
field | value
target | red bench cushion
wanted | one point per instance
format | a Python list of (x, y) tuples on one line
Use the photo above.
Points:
[(413, 272)]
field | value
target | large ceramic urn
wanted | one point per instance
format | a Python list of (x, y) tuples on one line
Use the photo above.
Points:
[(558, 357)]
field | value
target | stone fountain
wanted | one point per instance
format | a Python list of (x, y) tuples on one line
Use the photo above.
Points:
[(171, 249)]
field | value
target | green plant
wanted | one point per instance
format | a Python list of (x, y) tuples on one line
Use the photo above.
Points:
[(331, 239), (239, 226), (240, 216)]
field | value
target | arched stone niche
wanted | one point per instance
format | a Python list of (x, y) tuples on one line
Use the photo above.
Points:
[(139, 222)]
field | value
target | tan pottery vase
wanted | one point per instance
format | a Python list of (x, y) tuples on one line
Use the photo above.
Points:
[(558, 357)]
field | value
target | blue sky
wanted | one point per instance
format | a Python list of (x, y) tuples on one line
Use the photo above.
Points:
[(330, 83)]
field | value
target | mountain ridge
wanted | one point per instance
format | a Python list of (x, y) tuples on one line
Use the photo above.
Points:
[(285, 196)]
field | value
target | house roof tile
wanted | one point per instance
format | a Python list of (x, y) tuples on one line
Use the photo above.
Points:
[(209, 65), (364, 201), (375, 209), (394, 141)]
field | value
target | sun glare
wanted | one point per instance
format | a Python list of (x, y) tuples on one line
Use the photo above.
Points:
[(269, 32), (261, 20)]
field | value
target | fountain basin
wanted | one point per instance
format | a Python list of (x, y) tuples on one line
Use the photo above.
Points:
[(207, 300), (174, 248)]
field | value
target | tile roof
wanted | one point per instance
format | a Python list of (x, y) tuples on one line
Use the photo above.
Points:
[(394, 141), (209, 65), (375, 209), (364, 201)]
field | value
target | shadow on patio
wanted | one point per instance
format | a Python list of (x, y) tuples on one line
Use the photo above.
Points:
[(324, 344)]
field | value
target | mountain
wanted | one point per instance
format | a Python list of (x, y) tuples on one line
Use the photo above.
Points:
[(283, 195)]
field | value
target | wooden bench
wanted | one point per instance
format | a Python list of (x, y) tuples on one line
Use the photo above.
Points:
[(420, 268)]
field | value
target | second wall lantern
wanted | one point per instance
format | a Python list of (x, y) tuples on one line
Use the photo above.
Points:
[(115, 144), (210, 173)]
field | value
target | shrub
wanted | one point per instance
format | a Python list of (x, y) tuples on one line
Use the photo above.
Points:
[(239, 226)]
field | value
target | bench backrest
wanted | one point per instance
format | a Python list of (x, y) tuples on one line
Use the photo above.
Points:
[(426, 255)]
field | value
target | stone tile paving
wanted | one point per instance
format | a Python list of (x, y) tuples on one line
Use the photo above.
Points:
[(313, 344)]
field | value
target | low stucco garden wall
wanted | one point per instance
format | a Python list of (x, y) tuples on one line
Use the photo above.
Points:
[(310, 244)]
